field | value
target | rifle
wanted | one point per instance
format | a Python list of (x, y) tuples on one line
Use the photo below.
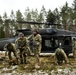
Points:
[(33, 43)]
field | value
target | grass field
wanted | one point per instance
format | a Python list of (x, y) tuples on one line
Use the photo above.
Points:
[(47, 66)]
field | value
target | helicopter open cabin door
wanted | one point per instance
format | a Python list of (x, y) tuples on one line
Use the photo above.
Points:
[(49, 44), (66, 44)]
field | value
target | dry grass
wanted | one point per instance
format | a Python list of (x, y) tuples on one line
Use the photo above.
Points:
[(47, 64)]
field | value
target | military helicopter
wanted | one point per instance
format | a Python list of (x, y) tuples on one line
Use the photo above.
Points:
[(52, 38)]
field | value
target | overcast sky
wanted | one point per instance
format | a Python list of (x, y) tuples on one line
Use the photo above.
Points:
[(8, 5)]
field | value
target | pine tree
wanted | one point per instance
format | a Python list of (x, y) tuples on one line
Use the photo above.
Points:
[(19, 17), (13, 25), (6, 24), (57, 15), (27, 17), (64, 15), (1, 28)]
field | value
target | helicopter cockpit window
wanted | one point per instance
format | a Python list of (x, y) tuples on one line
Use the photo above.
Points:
[(54, 42), (48, 43), (51, 43)]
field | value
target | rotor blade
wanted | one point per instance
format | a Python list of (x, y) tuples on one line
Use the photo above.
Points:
[(46, 23), (26, 22)]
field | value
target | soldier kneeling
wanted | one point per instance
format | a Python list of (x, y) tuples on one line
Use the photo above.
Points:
[(10, 47), (60, 56)]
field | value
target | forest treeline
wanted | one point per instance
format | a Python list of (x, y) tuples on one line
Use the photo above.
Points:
[(65, 15)]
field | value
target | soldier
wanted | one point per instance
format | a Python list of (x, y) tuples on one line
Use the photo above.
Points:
[(74, 47), (22, 45), (37, 40), (60, 55), (10, 47)]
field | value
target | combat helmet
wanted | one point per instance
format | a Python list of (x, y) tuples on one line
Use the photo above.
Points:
[(35, 30), (20, 34)]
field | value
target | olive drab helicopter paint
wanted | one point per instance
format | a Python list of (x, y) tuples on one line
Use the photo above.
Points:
[(52, 38)]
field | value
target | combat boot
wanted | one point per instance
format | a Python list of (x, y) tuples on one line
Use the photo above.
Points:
[(25, 62), (21, 61)]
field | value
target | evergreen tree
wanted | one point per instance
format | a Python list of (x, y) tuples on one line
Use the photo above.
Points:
[(13, 25), (74, 5), (64, 15), (19, 17), (27, 17), (1, 28), (44, 13), (40, 19), (42, 16), (34, 17), (6, 24), (57, 15), (74, 14), (51, 17)]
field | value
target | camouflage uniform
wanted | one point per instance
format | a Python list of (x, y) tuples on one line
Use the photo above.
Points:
[(74, 48), (36, 44), (22, 45), (10, 47), (60, 56)]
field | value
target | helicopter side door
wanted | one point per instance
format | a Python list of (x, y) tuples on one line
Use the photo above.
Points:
[(49, 44), (66, 44)]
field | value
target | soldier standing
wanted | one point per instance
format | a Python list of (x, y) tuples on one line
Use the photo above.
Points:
[(37, 40), (74, 47), (10, 47), (60, 55), (22, 45)]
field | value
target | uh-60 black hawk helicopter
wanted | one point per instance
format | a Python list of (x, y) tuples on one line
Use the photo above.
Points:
[(52, 38)]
